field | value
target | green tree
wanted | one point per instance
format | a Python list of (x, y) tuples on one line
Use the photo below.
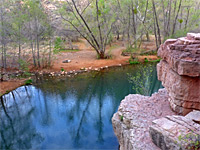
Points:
[(142, 79)]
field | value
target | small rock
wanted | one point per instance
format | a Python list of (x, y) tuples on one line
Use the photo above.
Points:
[(82, 68), (66, 61)]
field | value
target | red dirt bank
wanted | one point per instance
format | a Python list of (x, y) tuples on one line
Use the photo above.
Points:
[(85, 58)]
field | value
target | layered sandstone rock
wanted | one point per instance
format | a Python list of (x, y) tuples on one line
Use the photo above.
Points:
[(183, 54), (177, 132), (179, 72), (134, 117)]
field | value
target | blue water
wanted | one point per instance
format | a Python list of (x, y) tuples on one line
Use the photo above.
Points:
[(68, 112)]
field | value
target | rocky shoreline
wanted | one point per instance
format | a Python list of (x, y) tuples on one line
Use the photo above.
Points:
[(149, 123), (19, 77)]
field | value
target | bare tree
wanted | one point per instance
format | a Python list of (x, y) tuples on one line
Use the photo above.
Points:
[(100, 18)]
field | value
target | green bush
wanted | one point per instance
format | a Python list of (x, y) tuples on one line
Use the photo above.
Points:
[(57, 44), (133, 61), (121, 118), (28, 82), (23, 65), (146, 60)]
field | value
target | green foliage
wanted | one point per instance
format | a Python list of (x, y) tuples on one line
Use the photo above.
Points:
[(135, 11), (68, 50), (121, 118), (146, 60), (62, 69), (179, 33), (180, 20), (23, 65), (157, 60), (130, 50), (190, 140), (133, 61), (58, 44), (142, 79), (28, 82), (7, 92), (133, 50), (152, 61)]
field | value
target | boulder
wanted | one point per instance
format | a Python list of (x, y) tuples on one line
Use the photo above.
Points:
[(184, 91), (176, 132), (182, 55), (134, 117), (179, 72)]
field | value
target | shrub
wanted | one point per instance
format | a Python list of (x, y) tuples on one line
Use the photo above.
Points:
[(23, 65), (134, 61), (28, 82)]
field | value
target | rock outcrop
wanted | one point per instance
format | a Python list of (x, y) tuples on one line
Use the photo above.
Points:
[(177, 132), (134, 117), (179, 72)]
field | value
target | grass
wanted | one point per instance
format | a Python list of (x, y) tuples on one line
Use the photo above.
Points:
[(69, 50), (149, 53), (133, 61), (146, 60), (133, 50)]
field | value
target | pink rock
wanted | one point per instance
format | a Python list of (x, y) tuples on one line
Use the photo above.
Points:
[(176, 132), (134, 117), (184, 91), (182, 55), (180, 87), (193, 36)]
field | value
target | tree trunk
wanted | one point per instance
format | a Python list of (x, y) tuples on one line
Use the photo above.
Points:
[(101, 55), (186, 22), (49, 64), (176, 17), (117, 35), (38, 51), (157, 24)]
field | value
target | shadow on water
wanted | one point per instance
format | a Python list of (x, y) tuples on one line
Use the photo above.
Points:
[(67, 112)]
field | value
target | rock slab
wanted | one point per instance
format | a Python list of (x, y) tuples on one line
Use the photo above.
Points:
[(134, 117), (183, 54), (179, 72), (184, 91), (177, 132)]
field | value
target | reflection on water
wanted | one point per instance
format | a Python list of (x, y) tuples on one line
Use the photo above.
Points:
[(70, 113)]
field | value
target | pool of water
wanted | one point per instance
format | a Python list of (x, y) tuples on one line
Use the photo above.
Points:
[(68, 112)]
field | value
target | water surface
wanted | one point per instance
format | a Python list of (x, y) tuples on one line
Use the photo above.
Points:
[(69, 112)]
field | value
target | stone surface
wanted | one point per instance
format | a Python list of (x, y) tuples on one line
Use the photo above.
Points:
[(179, 72), (176, 132), (194, 115), (66, 61), (135, 115), (184, 91), (183, 54)]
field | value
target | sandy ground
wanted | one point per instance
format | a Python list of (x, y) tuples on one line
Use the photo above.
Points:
[(87, 57), (84, 58), (7, 86)]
